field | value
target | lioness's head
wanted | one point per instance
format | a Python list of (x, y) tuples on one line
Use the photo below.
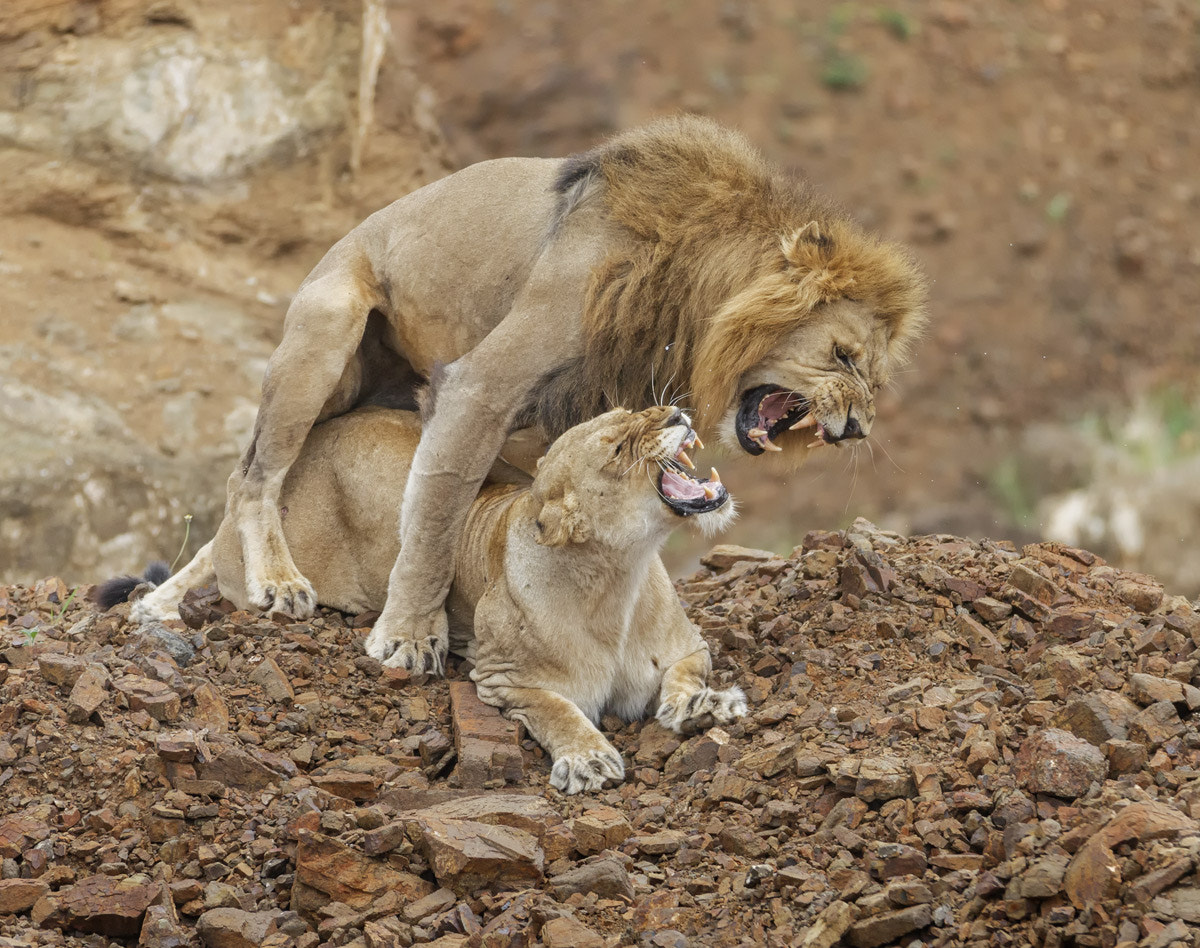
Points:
[(623, 478), (795, 359)]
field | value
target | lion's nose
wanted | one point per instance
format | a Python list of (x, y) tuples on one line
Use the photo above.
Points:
[(852, 430), (676, 418)]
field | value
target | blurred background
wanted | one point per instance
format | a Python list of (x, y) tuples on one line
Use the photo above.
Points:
[(171, 169)]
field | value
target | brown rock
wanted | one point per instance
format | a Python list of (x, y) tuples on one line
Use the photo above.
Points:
[(466, 856), (1155, 724), (1098, 717), (600, 828), (742, 841), (19, 832), (236, 768), (330, 871), (61, 670), (991, 610), (19, 895), (607, 877), (435, 902), (1059, 763), (569, 932), (272, 680), (896, 859), (103, 905), (1094, 873), (234, 928), (1185, 903), (1125, 757), (883, 778), (350, 786), (1044, 878), (1147, 689), (1144, 596), (88, 694), (830, 925), (211, 711), (161, 929), (1033, 584), (659, 844), (488, 745), (724, 555), (890, 926), (145, 694)]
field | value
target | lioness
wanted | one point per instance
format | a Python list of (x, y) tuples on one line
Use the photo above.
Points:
[(560, 596), (550, 289)]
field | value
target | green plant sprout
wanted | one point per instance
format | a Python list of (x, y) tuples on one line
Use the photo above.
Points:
[(187, 531)]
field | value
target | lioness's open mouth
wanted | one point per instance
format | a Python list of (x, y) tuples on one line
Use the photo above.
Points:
[(767, 411), (684, 494)]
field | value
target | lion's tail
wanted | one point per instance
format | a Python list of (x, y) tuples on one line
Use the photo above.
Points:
[(120, 588)]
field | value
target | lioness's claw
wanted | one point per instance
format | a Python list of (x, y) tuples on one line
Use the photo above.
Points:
[(686, 712), (586, 770), (296, 597)]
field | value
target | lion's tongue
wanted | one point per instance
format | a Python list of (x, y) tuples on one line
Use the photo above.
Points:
[(676, 487), (776, 405)]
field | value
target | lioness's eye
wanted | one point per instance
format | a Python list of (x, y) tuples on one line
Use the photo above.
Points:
[(843, 357)]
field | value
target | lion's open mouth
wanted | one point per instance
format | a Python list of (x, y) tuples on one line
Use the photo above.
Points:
[(687, 495), (766, 412)]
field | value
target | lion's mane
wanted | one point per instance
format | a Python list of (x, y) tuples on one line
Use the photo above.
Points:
[(723, 266)]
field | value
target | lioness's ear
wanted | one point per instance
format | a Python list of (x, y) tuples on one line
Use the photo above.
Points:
[(793, 244), (559, 523)]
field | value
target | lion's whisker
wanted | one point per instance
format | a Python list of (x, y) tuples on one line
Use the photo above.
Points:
[(883, 448)]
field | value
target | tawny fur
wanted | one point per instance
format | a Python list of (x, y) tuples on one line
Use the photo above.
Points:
[(559, 596), (671, 261)]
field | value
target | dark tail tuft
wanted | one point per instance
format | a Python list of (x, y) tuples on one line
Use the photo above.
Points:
[(157, 572), (119, 588), (115, 590)]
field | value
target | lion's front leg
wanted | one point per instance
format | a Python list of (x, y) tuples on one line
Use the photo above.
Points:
[(687, 703), (583, 758)]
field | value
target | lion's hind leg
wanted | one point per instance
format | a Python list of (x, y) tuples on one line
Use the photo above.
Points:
[(162, 602), (311, 374), (583, 757), (686, 702)]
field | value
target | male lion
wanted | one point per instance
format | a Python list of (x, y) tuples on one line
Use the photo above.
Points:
[(559, 596), (550, 289)]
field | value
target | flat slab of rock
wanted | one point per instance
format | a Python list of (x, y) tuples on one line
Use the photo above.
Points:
[(20, 895), (487, 743), (234, 928), (467, 856), (101, 905), (330, 871), (888, 927)]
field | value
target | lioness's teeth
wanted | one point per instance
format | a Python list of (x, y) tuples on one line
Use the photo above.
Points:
[(769, 445), (818, 443), (698, 443), (714, 477), (754, 434), (710, 492), (806, 422), (683, 459)]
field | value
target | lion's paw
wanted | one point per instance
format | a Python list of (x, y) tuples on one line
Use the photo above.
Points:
[(586, 770), (691, 711), (291, 594), (426, 653)]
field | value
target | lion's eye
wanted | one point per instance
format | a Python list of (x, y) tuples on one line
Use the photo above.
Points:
[(843, 357)]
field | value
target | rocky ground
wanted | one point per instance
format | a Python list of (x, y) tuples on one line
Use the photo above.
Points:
[(950, 743)]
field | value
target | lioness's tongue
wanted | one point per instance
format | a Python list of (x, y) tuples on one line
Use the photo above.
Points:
[(681, 488)]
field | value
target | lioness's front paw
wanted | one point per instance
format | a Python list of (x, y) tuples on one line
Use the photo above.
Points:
[(291, 594), (587, 769), (681, 712), (391, 643)]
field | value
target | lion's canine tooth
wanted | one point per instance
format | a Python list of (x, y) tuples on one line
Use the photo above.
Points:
[(714, 477), (710, 492), (769, 445), (683, 459), (755, 433), (698, 443), (806, 422)]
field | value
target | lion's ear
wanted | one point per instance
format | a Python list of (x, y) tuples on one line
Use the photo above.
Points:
[(559, 522), (798, 245)]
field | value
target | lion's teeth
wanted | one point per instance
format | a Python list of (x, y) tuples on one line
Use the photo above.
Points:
[(710, 492), (698, 443), (769, 445), (818, 443), (714, 477), (683, 459), (806, 422), (754, 434)]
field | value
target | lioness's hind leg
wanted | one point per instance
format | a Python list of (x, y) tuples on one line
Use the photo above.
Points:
[(583, 758), (162, 602), (687, 703), (322, 332)]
